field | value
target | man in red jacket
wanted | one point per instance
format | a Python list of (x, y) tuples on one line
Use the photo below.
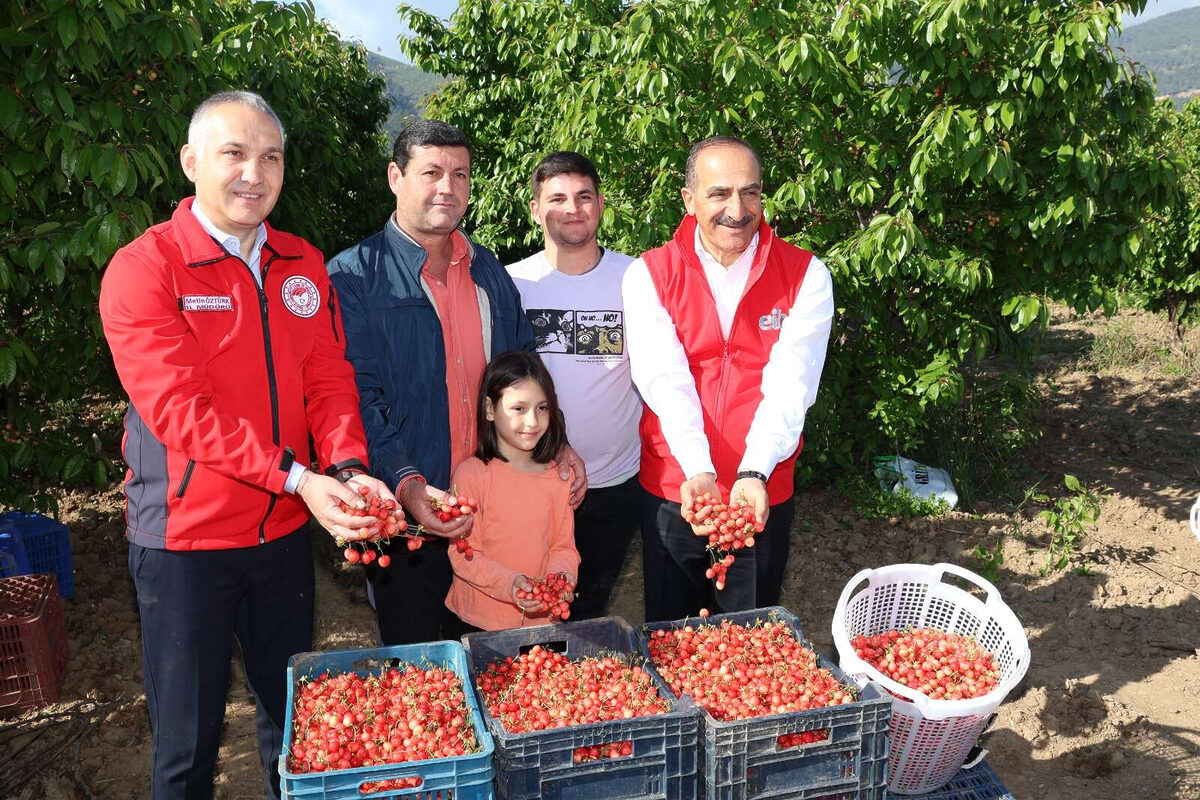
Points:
[(226, 338), (726, 326)]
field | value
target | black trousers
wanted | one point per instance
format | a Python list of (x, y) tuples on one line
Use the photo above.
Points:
[(674, 560), (410, 595), (193, 605), (604, 525)]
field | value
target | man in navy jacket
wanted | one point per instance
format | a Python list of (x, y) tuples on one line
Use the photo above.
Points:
[(424, 309)]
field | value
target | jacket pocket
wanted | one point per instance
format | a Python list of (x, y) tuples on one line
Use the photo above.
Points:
[(187, 477)]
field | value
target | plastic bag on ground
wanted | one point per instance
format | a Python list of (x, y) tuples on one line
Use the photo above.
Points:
[(898, 474)]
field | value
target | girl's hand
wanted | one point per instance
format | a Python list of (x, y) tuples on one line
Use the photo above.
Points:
[(529, 605), (571, 580)]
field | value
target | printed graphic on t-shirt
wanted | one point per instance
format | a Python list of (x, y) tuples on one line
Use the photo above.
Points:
[(553, 329), (583, 333)]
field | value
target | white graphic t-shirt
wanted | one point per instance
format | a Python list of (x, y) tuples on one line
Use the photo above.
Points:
[(579, 328)]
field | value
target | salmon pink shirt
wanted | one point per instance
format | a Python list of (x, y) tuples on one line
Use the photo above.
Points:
[(524, 526), (457, 303)]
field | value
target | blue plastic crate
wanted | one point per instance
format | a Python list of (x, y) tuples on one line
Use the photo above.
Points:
[(47, 546), (976, 783), (13, 561), (743, 759), (457, 778), (539, 764)]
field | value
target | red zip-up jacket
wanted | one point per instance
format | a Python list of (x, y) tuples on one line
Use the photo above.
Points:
[(727, 370), (226, 381)]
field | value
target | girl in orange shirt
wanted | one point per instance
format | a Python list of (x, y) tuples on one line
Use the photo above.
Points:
[(524, 527)]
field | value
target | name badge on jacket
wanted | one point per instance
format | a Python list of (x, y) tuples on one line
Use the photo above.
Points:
[(205, 302)]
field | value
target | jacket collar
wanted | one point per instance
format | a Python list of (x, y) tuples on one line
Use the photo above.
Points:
[(685, 240), (199, 249), (410, 254)]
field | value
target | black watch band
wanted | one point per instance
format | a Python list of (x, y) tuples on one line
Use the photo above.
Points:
[(749, 473)]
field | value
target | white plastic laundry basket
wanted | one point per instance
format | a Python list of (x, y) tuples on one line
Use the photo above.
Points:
[(929, 739)]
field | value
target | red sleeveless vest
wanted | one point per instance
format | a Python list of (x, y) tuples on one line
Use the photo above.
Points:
[(728, 372)]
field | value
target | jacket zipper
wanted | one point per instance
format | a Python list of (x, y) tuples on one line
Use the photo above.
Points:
[(333, 315), (187, 476), (274, 390), (723, 375)]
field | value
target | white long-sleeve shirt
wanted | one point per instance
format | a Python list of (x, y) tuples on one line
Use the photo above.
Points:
[(661, 373)]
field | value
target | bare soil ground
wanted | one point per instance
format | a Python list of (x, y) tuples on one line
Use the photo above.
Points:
[(1111, 704)]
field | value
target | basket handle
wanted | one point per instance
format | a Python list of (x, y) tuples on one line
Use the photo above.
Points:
[(993, 594)]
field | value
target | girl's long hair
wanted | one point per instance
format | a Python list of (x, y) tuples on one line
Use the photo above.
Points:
[(505, 370)]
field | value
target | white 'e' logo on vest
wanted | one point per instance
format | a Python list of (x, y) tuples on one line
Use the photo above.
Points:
[(772, 321)]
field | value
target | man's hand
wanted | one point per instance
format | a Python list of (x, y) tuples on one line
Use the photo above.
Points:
[(321, 494), (752, 492), (692, 488), (530, 605), (568, 461), (374, 485), (415, 496)]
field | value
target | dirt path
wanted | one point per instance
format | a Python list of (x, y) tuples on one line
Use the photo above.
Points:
[(1109, 708)]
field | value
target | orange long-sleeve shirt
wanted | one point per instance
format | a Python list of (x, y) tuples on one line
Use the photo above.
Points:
[(524, 527)]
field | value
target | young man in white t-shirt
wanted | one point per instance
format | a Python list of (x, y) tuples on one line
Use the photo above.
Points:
[(571, 292)]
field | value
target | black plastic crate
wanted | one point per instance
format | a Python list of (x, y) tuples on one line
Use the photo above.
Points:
[(743, 759), (539, 764), (976, 783)]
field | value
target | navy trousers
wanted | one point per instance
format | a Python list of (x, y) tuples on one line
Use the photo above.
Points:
[(193, 606), (674, 560)]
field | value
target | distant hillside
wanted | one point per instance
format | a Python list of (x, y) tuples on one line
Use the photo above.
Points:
[(1169, 48), (407, 87)]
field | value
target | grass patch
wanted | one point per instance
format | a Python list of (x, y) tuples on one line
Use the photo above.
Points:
[(1118, 346)]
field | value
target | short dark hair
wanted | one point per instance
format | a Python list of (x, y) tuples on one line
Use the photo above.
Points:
[(505, 370), (426, 133), (714, 141), (564, 162)]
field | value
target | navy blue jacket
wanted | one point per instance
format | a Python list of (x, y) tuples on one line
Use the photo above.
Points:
[(394, 340)]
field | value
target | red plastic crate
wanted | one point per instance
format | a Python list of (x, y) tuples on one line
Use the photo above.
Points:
[(33, 641)]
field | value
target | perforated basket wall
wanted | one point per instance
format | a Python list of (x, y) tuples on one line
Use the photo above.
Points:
[(926, 749), (33, 641)]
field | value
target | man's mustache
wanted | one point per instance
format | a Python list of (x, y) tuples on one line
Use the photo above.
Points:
[(730, 222)]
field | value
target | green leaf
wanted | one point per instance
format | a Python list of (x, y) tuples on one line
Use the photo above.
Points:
[(68, 26), (110, 233), (1072, 482), (1007, 115), (8, 366), (99, 474), (73, 469)]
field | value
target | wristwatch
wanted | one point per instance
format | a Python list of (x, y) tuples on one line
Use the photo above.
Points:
[(749, 473), (346, 470)]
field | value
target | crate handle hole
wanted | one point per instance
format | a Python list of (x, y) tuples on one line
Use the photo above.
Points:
[(391, 785), (556, 646), (799, 741), (602, 752)]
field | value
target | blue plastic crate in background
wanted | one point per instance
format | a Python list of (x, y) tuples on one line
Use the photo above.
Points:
[(743, 759), (466, 777), (46, 544), (13, 561), (976, 783), (539, 764)]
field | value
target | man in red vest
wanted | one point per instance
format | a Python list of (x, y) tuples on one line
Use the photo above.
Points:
[(727, 326)]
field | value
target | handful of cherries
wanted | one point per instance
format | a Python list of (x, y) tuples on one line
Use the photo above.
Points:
[(551, 592)]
